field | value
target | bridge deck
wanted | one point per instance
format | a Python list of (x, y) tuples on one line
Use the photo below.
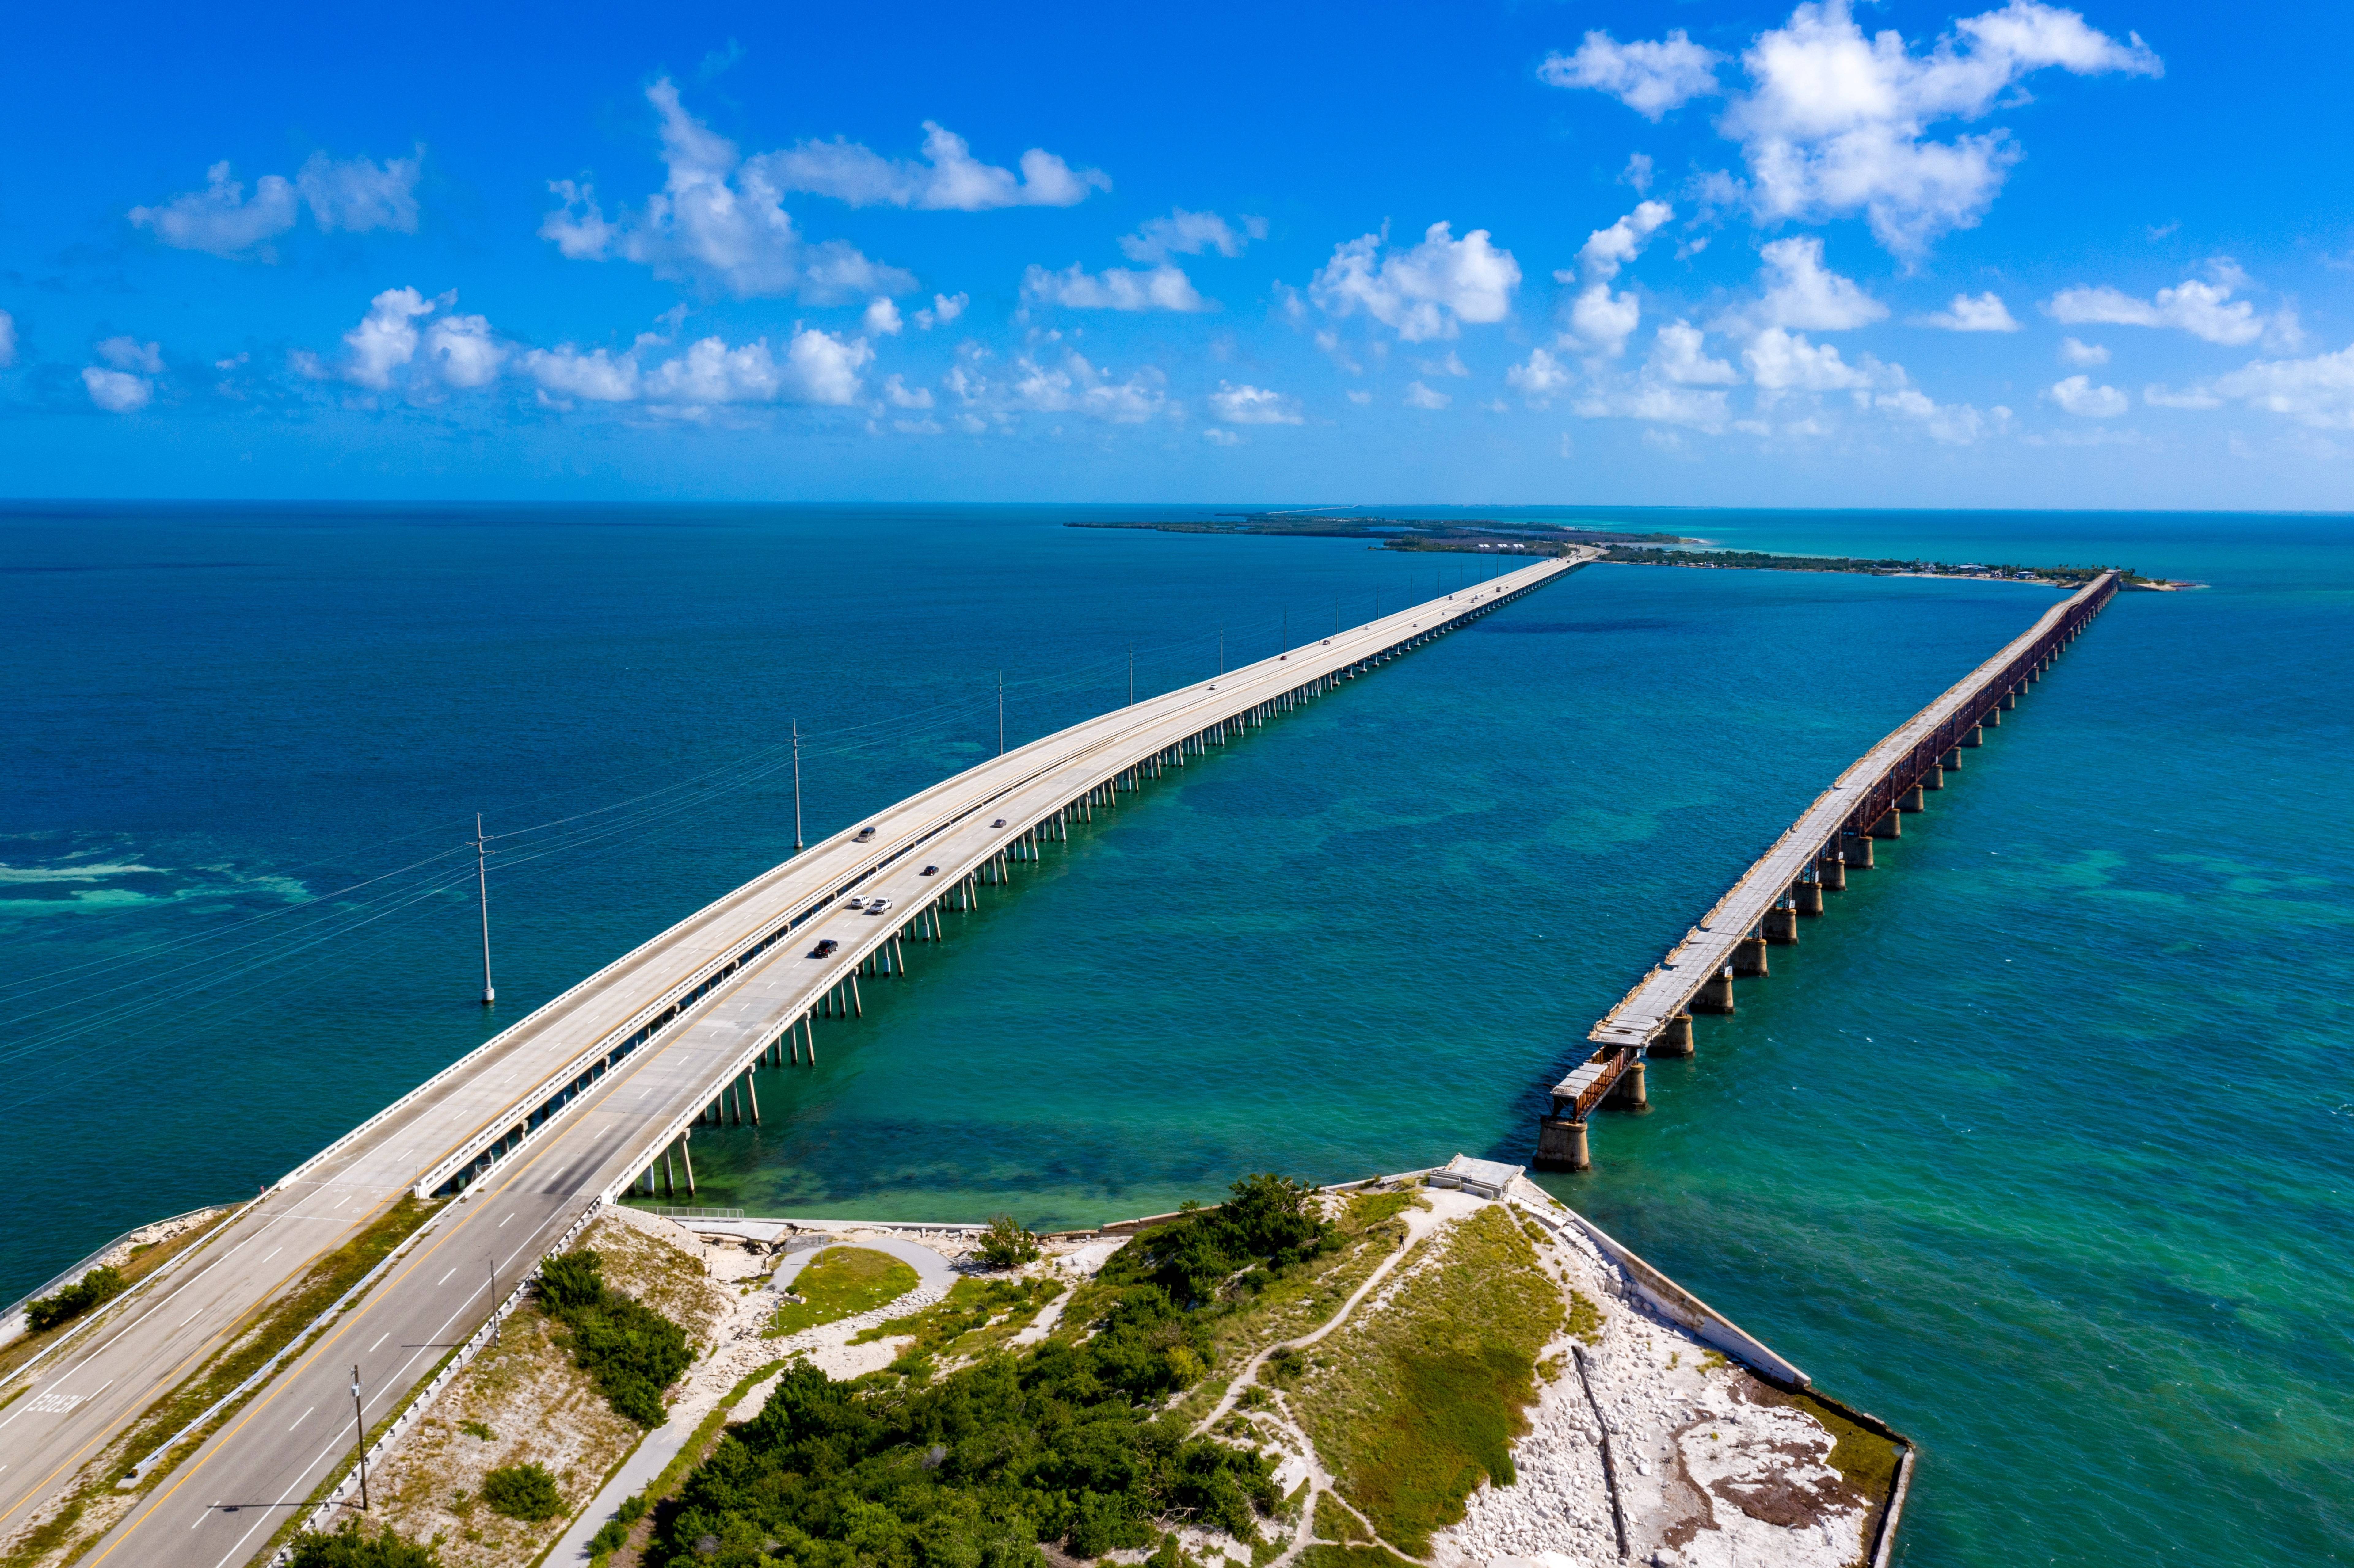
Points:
[(1856, 800), (568, 1105)]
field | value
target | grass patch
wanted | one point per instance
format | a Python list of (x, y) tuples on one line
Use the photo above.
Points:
[(1411, 1407), (1351, 1557), (1334, 1522), (525, 1492), (842, 1282), (976, 1314), (1585, 1321)]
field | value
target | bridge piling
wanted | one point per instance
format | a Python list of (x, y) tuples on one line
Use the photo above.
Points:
[(1868, 800)]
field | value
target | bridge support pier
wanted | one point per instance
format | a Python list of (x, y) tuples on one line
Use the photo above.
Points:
[(1951, 762), (1561, 1145), (670, 1176), (1991, 718), (1782, 927), (1972, 737), (1911, 800), (1715, 994), (1935, 778), (1891, 826), (686, 1160), (1807, 898), (857, 1005), (752, 1093), (1830, 871), (2011, 698), (1627, 1093), (1676, 1039), (1749, 958)]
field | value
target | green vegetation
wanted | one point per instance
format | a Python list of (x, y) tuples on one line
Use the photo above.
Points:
[(842, 1282), (328, 1279), (1411, 1407), (352, 1548), (1351, 1557), (94, 1290), (478, 1429), (1759, 560), (973, 1466), (146, 1259), (526, 1492), (1005, 1244), (1402, 533), (1585, 1321), (633, 1352), (1864, 1460), (975, 1314)]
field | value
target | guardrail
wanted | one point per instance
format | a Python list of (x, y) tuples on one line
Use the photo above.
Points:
[(416, 1407), (12, 1317)]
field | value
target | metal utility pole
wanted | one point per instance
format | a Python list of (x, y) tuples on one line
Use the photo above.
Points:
[(1001, 713), (359, 1424), (482, 886), (492, 1264), (797, 787)]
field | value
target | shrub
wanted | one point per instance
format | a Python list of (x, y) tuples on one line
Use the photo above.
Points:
[(94, 1290), (1267, 1220), (1005, 1244), (525, 1492), (351, 1548), (633, 1351)]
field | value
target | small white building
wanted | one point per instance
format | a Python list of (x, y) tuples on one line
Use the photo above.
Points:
[(1480, 1178)]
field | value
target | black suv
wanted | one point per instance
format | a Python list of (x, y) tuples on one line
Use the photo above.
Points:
[(864, 834), (825, 949)]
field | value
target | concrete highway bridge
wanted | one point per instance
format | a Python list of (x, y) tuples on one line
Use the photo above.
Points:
[(595, 1093), (1787, 883)]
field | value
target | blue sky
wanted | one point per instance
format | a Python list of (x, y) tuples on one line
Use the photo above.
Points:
[(1902, 254)]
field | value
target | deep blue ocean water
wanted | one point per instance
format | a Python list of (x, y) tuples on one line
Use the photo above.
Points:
[(2041, 1145)]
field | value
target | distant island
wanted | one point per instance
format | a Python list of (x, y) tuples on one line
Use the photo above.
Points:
[(1488, 536)]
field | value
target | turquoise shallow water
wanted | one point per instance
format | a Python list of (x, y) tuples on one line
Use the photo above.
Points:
[(2037, 1146)]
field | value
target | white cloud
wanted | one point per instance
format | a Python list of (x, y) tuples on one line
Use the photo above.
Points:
[(1972, 312), (1248, 405), (2190, 398), (948, 179), (130, 354), (2078, 395), (1165, 288), (1781, 361), (899, 395), (1359, 397), (221, 219), (2073, 352), (386, 338), (2203, 310), (1601, 322), (719, 218), (1955, 424), (1183, 233), (1649, 79), (1417, 396), (358, 196), (944, 309), (1078, 386), (1679, 352), (2318, 393), (463, 352), (710, 372), (1537, 379), (602, 376), (7, 340), (1218, 438), (882, 317), (1451, 365), (1835, 123), (1656, 403), (1804, 294), (116, 391), (1637, 171), (1607, 250), (1423, 292)]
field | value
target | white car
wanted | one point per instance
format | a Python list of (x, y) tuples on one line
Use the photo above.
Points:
[(876, 906), (855, 902)]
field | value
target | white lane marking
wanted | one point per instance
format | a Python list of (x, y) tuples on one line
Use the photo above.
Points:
[(503, 1224), (445, 1278), (192, 1317), (380, 1339), (339, 1202), (273, 1252), (302, 1418), (270, 1513)]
